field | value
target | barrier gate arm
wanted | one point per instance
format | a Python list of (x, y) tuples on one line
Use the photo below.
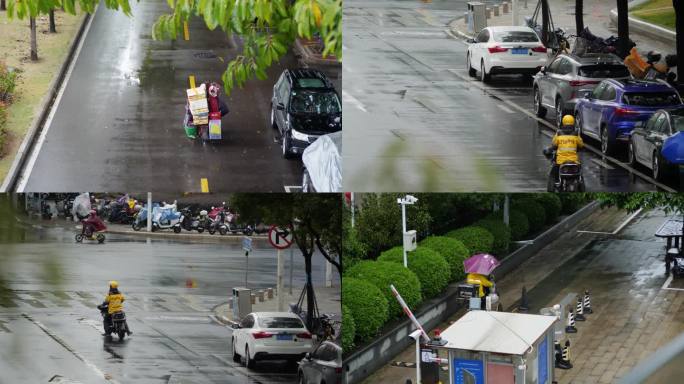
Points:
[(408, 313)]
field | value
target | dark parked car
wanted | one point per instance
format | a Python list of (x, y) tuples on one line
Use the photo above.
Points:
[(558, 84), (614, 107), (304, 106), (322, 366), (659, 143)]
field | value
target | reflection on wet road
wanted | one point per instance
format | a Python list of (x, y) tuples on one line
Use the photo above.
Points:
[(416, 121), (49, 324)]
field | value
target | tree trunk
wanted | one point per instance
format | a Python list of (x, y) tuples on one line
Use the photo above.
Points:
[(623, 28), (53, 28), (579, 15), (34, 42), (679, 32), (545, 22), (3, 5), (310, 298)]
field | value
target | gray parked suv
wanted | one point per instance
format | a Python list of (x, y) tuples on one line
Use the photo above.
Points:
[(556, 85), (322, 366)]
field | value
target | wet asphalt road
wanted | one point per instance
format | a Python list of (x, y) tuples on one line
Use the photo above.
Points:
[(50, 327), (416, 121), (118, 125)]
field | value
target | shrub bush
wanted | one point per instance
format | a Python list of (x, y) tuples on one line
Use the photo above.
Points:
[(8, 81), (430, 267), (518, 223), (552, 206), (476, 239), (500, 231), (367, 304), (3, 122), (382, 274), (571, 202), (534, 212), (348, 329), (453, 251)]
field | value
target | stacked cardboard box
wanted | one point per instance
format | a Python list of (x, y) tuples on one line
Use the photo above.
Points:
[(197, 100)]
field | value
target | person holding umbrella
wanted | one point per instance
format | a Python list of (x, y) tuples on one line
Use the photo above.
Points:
[(479, 268)]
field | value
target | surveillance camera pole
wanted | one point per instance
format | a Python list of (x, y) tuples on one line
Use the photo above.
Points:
[(403, 222)]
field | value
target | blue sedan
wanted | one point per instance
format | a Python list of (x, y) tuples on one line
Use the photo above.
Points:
[(611, 111), (659, 143)]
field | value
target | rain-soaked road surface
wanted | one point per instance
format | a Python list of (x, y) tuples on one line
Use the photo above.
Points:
[(416, 121), (49, 324), (118, 125)]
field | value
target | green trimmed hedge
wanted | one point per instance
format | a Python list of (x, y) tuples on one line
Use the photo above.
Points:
[(476, 239), (430, 267), (348, 329), (382, 274), (367, 304), (518, 223), (552, 206), (500, 231), (453, 251), (573, 201), (534, 211)]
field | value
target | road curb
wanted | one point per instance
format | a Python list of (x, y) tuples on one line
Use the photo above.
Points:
[(362, 363), (651, 30), (189, 236), (46, 104)]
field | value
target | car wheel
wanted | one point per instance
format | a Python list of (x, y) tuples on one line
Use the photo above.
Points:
[(484, 76), (631, 154), (660, 169), (249, 362), (539, 110), (606, 144), (236, 356), (559, 112), (471, 71), (286, 146)]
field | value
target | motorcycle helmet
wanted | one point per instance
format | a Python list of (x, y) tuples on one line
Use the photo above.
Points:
[(113, 284), (213, 89)]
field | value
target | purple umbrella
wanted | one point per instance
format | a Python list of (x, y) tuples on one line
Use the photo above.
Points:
[(481, 263)]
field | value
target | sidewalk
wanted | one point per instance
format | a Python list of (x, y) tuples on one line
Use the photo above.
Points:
[(328, 302), (596, 17)]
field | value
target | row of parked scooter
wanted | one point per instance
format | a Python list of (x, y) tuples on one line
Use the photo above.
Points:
[(129, 211)]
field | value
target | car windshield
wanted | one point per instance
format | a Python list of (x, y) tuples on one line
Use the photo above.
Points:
[(280, 322), (651, 99), (315, 102), (600, 71), (516, 37)]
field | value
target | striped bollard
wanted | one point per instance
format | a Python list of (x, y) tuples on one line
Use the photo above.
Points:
[(587, 302), (570, 327), (580, 310)]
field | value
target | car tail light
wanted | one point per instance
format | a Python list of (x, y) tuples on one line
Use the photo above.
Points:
[(261, 335), (579, 83), (625, 112), (497, 49), (541, 49), (305, 335)]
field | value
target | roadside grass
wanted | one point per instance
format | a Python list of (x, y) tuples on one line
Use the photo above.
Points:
[(660, 12), (34, 77)]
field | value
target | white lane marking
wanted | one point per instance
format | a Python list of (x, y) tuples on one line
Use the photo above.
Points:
[(197, 319), (504, 108), (602, 164), (26, 174), (667, 285), (63, 343), (413, 33), (346, 97), (620, 227)]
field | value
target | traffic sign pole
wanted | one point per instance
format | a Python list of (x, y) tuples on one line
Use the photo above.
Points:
[(279, 283)]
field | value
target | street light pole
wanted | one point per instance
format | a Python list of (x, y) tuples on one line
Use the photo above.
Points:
[(515, 13), (403, 222)]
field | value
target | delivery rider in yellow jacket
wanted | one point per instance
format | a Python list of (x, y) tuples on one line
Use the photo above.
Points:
[(566, 143), (484, 284), (114, 300)]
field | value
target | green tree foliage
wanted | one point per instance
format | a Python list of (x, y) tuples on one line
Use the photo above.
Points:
[(535, 213), (379, 221), (453, 251), (382, 274), (268, 28), (353, 250), (500, 231), (669, 202), (476, 239), (574, 201), (552, 205), (430, 267), (367, 304), (348, 329), (452, 210), (518, 223)]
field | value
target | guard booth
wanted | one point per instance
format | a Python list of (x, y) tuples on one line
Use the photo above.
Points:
[(500, 348)]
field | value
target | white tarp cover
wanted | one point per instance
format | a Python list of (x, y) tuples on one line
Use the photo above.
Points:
[(81, 205), (498, 332), (323, 160)]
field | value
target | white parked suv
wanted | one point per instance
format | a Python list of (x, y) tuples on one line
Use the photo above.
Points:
[(270, 336), (505, 50)]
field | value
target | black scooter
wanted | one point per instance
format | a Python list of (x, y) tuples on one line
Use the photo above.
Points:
[(114, 323), (569, 178)]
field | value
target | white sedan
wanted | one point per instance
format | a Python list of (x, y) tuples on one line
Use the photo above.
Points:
[(505, 50), (270, 336)]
